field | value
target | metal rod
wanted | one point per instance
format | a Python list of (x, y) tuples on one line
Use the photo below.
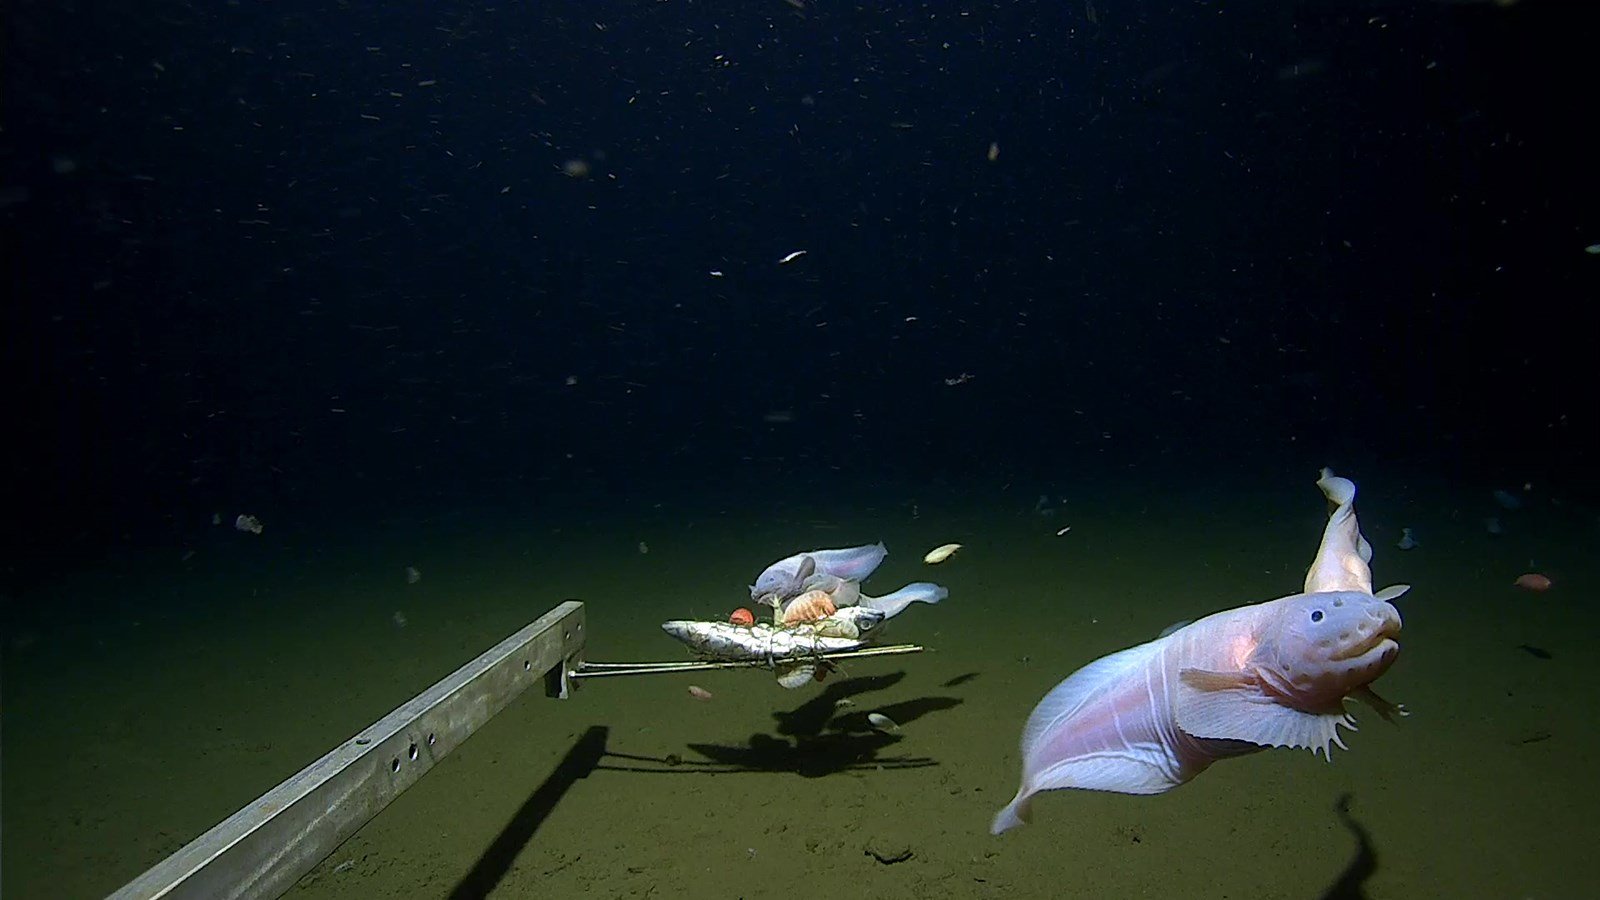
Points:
[(612, 670)]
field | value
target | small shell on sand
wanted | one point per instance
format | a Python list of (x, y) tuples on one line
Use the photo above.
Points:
[(1532, 581), (698, 692), (940, 554), (809, 607)]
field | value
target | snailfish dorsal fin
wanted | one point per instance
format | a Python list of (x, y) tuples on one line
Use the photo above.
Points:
[(1392, 592)]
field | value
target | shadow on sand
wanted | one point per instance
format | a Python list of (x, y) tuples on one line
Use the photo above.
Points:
[(496, 859), (1365, 864), (826, 734)]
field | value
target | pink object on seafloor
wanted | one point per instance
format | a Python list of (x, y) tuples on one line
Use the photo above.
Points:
[(1532, 581)]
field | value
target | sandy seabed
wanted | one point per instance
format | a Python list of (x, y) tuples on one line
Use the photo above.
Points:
[(147, 699)]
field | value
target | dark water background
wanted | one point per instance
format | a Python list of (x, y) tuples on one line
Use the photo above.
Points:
[(397, 279)]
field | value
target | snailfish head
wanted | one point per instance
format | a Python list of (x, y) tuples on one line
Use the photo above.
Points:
[(1321, 646)]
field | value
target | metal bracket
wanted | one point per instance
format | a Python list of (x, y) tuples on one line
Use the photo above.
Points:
[(264, 848)]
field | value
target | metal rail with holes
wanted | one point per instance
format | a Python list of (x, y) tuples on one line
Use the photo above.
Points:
[(264, 848)]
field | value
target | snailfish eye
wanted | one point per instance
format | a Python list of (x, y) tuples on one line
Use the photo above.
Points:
[(1316, 615)]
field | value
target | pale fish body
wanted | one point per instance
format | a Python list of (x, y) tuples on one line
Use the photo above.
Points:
[(1274, 674), (851, 563), (1147, 719), (848, 593), (893, 604), (840, 591), (847, 629)]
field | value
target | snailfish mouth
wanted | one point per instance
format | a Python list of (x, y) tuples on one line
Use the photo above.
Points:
[(1362, 668), (1381, 628)]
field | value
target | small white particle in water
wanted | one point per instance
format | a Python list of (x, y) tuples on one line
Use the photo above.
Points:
[(643, 547), (413, 575), (1063, 531)]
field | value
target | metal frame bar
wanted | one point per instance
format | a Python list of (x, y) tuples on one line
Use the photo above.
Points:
[(264, 848)]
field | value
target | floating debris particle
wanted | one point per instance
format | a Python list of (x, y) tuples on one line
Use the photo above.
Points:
[(994, 150), (882, 722), (413, 575), (247, 523), (643, 547), (940, 554), (791, 257), (1408, 541), (1533, 581)]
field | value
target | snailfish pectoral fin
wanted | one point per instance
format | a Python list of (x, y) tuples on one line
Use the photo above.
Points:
[(1232, 706), (1389, 711)]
